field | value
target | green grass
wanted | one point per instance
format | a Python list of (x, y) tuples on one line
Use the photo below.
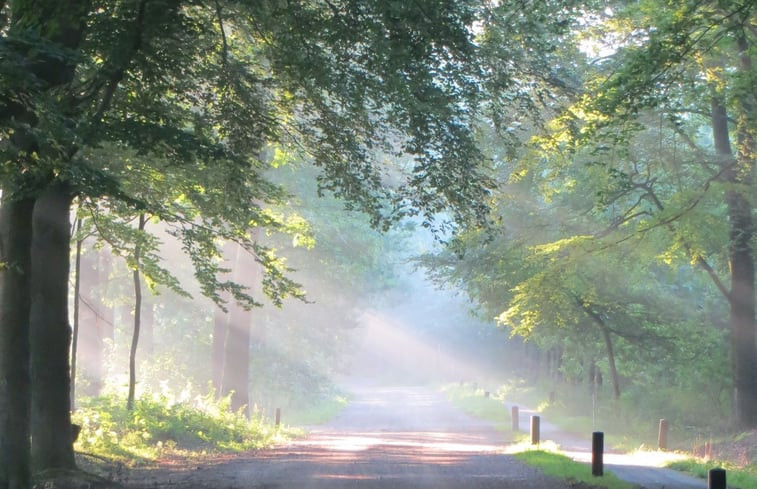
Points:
[(316, 413), (474, 402), (560, 466), (738, 477), (158, 426)]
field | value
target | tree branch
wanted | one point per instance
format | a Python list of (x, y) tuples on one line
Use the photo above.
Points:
[(118, 74), (224, 41)]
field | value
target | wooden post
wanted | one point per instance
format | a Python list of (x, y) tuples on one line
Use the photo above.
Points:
[(716, 479), (535, 430), (515, 418), (597, 453), (707, 450), (662, 437), (278, 417)]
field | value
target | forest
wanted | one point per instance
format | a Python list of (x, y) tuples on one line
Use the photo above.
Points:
[(203, 200)]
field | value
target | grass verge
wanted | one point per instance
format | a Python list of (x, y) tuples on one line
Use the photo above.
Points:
[(560, 466), (738, 477), (474, 402), (317, 413)]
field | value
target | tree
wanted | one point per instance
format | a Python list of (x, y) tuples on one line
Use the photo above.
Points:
[(36, 38), (694, 66), (137, 315), (49, 330), (198, 90), (14, 342), (596, 169)]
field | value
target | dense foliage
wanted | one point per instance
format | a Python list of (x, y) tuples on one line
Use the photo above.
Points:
[(625, 198), (159, 425), (588, 164)]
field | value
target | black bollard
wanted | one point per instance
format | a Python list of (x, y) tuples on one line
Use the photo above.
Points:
[(597, 453), (535, 430), (716, 479), (515, 418)]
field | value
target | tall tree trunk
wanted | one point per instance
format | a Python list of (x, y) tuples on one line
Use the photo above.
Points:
[(52, 445), (741, 298), (607, 337), (221, 326), (15, 303), (77, 304), (236, 372), (611, 360), (220, 330), (137, 319), (106, 314), (236, 367)]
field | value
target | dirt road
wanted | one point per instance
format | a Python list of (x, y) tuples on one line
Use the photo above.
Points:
[(387, 438)]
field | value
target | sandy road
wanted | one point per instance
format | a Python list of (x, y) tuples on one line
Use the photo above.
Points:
[(396, 438), (402, 438)]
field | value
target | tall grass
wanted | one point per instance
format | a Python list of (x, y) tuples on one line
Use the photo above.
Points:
[(158, 425)]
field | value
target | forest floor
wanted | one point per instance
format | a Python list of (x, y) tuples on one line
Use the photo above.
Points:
[(398, 438)]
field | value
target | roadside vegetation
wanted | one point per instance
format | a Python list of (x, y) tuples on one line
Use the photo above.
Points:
[(319, 412), (556, 465), (628, 431), (188, 427), (160, 426), (738, 476)]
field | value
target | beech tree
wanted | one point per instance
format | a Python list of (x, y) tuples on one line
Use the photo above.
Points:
[(632, 150), (692, 65), (100, 97)]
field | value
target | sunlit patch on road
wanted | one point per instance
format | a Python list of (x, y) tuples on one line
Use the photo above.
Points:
[(443, 442)]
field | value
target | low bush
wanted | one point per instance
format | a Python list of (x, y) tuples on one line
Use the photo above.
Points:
[(157, 425)]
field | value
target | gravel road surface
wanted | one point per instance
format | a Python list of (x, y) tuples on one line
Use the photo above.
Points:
[(398, 438), (402, 438)]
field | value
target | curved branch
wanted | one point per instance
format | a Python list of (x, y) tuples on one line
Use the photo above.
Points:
[(115, 77), (224, 41)]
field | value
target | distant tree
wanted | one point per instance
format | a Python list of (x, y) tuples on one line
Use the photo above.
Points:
[(136, 272)]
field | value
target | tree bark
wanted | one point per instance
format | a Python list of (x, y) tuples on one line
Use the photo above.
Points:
[(52, 445), (737, 171), (77, 304), (611, 360), (15, 303), (137, 320), (608, 347)]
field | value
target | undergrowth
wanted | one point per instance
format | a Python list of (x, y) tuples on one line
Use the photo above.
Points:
[(158, 425)]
